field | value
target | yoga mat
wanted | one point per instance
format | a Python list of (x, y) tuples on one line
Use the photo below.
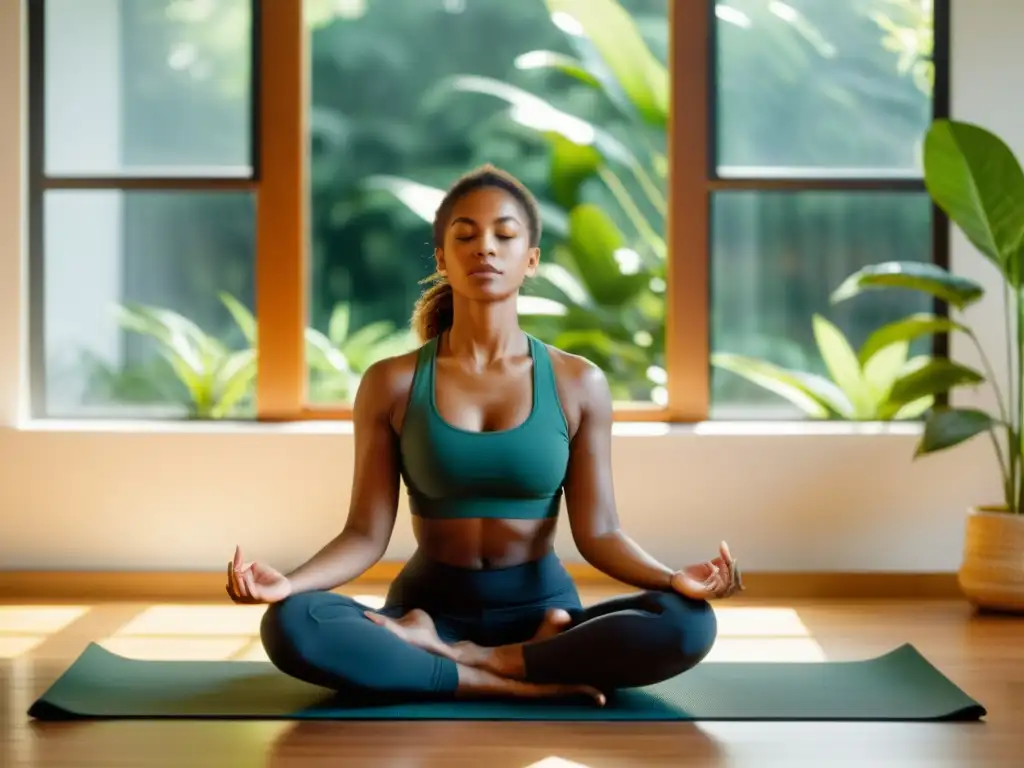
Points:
[(899, 685)]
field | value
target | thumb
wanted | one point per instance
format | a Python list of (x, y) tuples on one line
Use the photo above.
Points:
[(376, 618)]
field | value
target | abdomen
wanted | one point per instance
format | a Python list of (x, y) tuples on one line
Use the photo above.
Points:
[(484, 543)]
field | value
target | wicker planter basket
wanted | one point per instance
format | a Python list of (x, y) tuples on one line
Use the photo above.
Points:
[(992, 572)]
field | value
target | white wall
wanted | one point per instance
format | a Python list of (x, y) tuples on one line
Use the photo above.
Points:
[(787, 497)]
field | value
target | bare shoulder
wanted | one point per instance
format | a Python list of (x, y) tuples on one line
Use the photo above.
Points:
[(385, 385), (582, 386), (578, 372)]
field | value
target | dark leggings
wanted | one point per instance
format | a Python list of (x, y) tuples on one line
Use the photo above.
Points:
[(636, 640)]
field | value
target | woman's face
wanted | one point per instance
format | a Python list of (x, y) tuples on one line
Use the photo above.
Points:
[(487, 253)]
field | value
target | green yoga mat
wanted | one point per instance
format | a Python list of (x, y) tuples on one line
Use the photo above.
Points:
[(899, 685)]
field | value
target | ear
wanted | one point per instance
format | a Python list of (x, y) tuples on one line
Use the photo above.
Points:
[(532, 261), (439, 259)]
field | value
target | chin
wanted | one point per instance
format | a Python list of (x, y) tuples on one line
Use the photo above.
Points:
[(491, 289)]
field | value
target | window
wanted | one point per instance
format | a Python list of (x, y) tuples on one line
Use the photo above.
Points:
[(221, 182), (821, 107)]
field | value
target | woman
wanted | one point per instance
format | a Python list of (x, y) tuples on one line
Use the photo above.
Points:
[(486, 426)]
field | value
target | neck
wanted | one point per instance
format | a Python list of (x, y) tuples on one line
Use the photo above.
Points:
[(485, 330)]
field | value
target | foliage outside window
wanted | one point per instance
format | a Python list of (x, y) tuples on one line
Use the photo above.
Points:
[(145, 253)]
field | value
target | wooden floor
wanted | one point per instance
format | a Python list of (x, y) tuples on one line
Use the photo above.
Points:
[(983, 654)]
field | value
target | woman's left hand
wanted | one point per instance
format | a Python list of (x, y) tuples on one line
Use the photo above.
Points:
[(712, 580)]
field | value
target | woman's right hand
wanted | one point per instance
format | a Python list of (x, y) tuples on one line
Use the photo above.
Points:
[(251, 583)]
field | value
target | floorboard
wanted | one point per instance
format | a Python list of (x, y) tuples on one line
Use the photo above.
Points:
[(984, 654)]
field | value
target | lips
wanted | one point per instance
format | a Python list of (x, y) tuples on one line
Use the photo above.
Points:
[(485, 269)]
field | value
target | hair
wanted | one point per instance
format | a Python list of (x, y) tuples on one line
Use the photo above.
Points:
[(434, 313)]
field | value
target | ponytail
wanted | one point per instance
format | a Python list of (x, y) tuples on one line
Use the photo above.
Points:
[(433, 313)]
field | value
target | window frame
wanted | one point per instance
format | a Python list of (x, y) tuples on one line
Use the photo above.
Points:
[(278, 181)]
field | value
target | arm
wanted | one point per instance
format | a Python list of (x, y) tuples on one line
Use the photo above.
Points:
[(375, 487), (590, 497)]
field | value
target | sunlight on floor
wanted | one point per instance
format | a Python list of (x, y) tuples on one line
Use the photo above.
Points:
[(13, 646), (39, 619), (760, 622), (254, 652), (195, 621), (231, 632), (763, 634), (23, 628), (766, 649)]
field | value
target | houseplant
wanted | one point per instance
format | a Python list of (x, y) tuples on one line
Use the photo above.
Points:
[(976, 180), (877, 382)]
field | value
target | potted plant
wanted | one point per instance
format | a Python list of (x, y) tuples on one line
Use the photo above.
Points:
[(976, 180)]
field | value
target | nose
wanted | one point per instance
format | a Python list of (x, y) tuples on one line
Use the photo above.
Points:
[(488, 243)]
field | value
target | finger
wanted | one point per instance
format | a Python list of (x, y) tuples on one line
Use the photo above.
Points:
[(238, 557), (231, 586), (724, 549), (716, 585), (240, 586), (376, 618), (249, 582), (714, 575)]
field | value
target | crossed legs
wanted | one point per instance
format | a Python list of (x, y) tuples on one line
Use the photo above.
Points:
[(328, 640)]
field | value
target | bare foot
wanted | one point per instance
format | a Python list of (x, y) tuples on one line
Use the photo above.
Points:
[(477, 683), (416, 628), (555, 620), (506, 661)]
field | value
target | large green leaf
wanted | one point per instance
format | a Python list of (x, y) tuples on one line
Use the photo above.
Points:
[(826, 391), (555, 282), (905, 329), (321, 355), (337, 326), (930, 278), (843, 366), (600, 348), (181, 341), (373, 342), (559, 61), (232, 382), (571, 165), (937, 376), (911, 410), (421, 199), (242, 316), (882, 371), (597, 246), (947, 427), (973, 176), (537, 114), (614, 34), (805, 391)]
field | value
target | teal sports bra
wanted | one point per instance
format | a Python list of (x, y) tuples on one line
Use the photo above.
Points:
[(512, 473)]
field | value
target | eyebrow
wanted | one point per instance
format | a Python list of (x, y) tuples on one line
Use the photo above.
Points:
[(467, 220)]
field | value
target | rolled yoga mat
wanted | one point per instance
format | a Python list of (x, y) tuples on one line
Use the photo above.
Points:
[(900, 685)]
